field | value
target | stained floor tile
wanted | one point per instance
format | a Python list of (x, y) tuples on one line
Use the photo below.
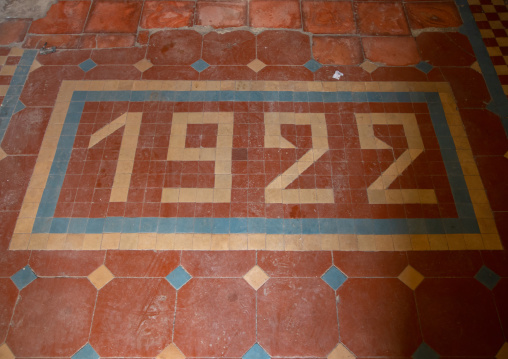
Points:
[(172, 14), (275, 14)]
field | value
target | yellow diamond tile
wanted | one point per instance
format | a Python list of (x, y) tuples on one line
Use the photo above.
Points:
[(411, 277), (35, 65), (369, 66), (476, 67), (5, 352), (143, 65), (506, 155), (503, 352), (2, 154), (256, 65), (341, 352), (171, 352), (100, 277), (256, 277)]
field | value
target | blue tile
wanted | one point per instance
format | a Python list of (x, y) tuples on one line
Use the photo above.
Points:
[(256, 352), (87, 65), (149, 225), (345, 225), (487, 277), (203, 225), (425, 352), (77, 225), (184, 225), (138, 96), (300, 97), (212, 96), (274, 226), (197, 96), (113, 225), (327, 225), (424, 67), (238, 225), (417, 226), (227, 95), (23, 277), (220, 225), (292, 226), (334, 277), (363, 226), (242, 96), (315, 96), (178, 277), (95, 225), (286, 96), (313, 65), (256, 225), (131, 225), (167, 225), (46, 209), (256, 96), (19, 106), (42, 225), (59, 225), (87, 352), (200, 65), (79, 96), (310, 225)]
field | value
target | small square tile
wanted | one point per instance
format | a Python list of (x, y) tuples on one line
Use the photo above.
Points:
[(143, 65), (87, 65), (200, 65), (23, 277), (411, 277), (334, 277), (178, 277), (312, 65), (424, 67), (100, 277), (487, 277), (256, 352), (256, 277), (87, 352)]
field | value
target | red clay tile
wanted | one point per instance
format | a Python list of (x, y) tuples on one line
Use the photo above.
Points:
[(218, 264), (280, 48), (114, 16), (105, 41), (133, 317), (170, 73), (352, 73), (294, 317), (294, 264), (325, 17), (143, 37), (50, 309), (275, 14), (233, 48), (398, 74), (435, 14), (391, 329), (221, 14), (7, 302), (12, 31), (445, 49), (15, 172), (128, 56), (116, 72), (501, 297), (392, 51), (227, 73), (61, 41), (65, 263), (497, 261), (65, 17), (64, 57), (182, 47), (485, 132), (337, 50), (164, 14), (445, 264), (381, 18), (468, 87), (370, 264), (26, 131), (222, 324), (493, 172), (141, 263), (458, 317)]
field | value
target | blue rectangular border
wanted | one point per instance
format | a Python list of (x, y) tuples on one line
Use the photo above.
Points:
[(465, 223)]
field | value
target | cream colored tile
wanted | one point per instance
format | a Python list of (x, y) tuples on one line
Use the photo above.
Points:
[(38, 241), (348, 242), (438, 242), (202, 241), (92, 242), (220, 242), (256, 241), (492, 241), (100, 277), (110, 241), (456, 242), (420, 242), (128, 241), (5, 352), (474, 241), (402, 242), (171, 352), (274, 242), (183, 241), (411, 277), (311, 242), (366, 243), (256, 277), (19, 241), (330, 242), (147, 240), (165, 241), (341, 352), (293, 242)]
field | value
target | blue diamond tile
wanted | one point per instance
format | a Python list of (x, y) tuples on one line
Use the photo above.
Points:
[(178, 277), (334, 277), (87, 65), (87, 352), (313, 65), (424, 67), (256, 352), (487, 277), (200, 65), (19, 106), (23, 277), (425, 352)]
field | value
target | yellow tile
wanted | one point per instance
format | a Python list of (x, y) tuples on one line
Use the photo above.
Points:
[(100, 277), (202, 241), (492, 241), (171, 352), (147, 240), (274, 242), (478, 196), (384, 243), (128, 241), (311, 242), (401, 242), (5, 352), (92, 241), (19, 241), (487, 226), (438, 242), (341, 352), (24, 225), (293, 242), (110, 241), (38, 241), (456, 242), (482, 210), (486, 33), (366, 243), (7, 70), (256, 277), (348, 242), (220, 242), (474, 182), (183, 241), (330, 242), (74, 242), (474, 241), (238, 242), (165, 241), (411, 277), (420, 242), (256, 241)]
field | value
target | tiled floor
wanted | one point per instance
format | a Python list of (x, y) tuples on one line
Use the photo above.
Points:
[(186, 179)]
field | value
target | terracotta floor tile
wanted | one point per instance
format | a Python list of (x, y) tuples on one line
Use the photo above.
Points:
[(227, 73), (7, 303), (299, 304), (501, 296), (390, 330), (392, 51), (222, 324), (181, 47), (162, 14), (294, 264), (50, 309), (446, 264), (487, 137), (110, 16), (458, 316), (65, 263), (233, 48), (218, 264), (19, 168), (445, 49), (128, 56), (427, 15), (221, 14), (139, 325), (275, 14), (361, 264), (66, 17), (105, 41), (12, 31), (28, 124), (337, 50), (285, 42), (381, 18), (468, 87), (141, 264), (496, 261), (323, 17), (494, 184)]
